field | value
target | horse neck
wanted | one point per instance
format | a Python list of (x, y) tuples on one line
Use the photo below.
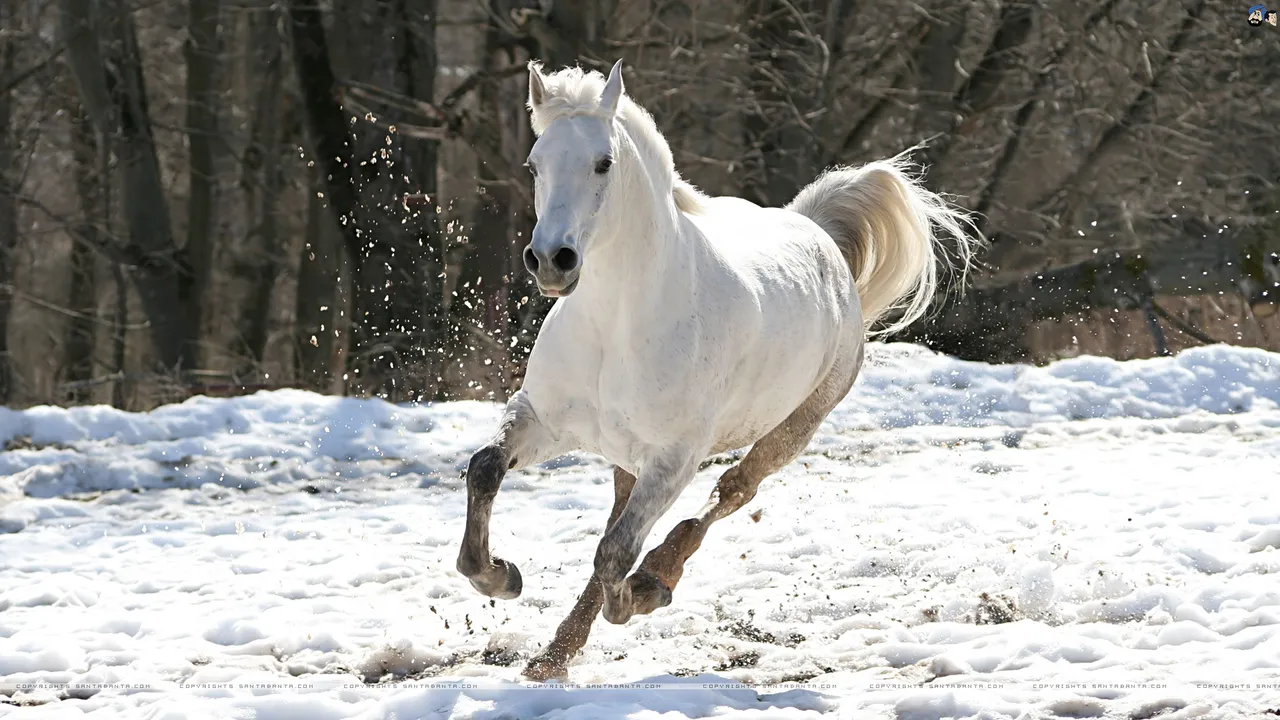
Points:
[(642, 238)]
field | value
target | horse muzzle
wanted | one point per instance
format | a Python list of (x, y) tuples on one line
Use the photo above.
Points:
[(555, 268)]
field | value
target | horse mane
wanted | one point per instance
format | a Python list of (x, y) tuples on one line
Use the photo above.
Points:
[(574, 91)]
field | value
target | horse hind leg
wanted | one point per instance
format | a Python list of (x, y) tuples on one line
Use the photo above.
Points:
[(653, 582), (572, 633)]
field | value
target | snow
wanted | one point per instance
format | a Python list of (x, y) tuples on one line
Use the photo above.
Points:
[(1088, 539)]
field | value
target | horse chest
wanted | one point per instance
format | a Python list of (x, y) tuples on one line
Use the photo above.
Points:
[(612, 404)]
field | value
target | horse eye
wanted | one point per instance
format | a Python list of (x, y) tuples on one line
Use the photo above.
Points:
[(603, 165), (533, 169)]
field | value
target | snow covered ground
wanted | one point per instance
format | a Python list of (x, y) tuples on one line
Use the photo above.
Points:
[(1090, 539)]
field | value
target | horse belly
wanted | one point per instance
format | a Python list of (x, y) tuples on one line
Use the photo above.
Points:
[(744, 423), (776, 377)]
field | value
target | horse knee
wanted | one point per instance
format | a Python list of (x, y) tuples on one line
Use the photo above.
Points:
[(486, 468), (614, 557)]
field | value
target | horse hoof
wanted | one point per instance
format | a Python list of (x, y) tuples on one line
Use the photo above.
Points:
[(647, 592), (616, 615), (618, 606), (502, 581), (546, 667)]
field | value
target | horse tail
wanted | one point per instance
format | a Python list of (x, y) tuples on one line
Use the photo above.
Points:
[(891, 230)]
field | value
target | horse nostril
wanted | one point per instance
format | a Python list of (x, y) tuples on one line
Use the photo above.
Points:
[(565, 259), (530, 260)]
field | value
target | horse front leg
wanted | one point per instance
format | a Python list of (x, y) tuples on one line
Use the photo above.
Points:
[(656, 489), (572, 634), (521, 440)]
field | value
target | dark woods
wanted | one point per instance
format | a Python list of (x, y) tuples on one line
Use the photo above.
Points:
[(218, 196)]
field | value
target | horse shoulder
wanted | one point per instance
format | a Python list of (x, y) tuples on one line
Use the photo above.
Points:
[(566, 355)]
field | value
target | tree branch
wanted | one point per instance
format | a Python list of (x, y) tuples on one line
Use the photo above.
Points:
[(1182, 325), (1111, 137), (13, 81)]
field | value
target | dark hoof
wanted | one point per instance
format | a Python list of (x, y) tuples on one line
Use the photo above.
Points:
[(546, 666), (647, 592), (502, 581)]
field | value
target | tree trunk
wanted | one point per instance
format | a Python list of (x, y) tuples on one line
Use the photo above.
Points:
[(202, 51), (322, 309), (326, 121), (484, 286), (8, 206), (80, 339), (979, 90), (122, 390), (992, 323), (570, 32), (114, 95), (331, 146), (395, 298), (263, 180), (937, 67), (1046, 77), (1066, 197), (415, 314)]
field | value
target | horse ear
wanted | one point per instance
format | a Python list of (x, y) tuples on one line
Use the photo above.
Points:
[(612, 90), (537, 89)]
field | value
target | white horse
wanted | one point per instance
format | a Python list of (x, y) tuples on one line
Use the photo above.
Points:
[(686, 326)]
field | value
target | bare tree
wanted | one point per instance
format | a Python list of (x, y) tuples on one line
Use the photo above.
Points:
[(322, 304), (92, 186), (104, 56), (8, 194), (785, 54), (202, 52), (262, 178), (367, 174)]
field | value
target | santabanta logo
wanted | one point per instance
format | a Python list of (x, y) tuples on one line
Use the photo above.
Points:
[(1259, 14)]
